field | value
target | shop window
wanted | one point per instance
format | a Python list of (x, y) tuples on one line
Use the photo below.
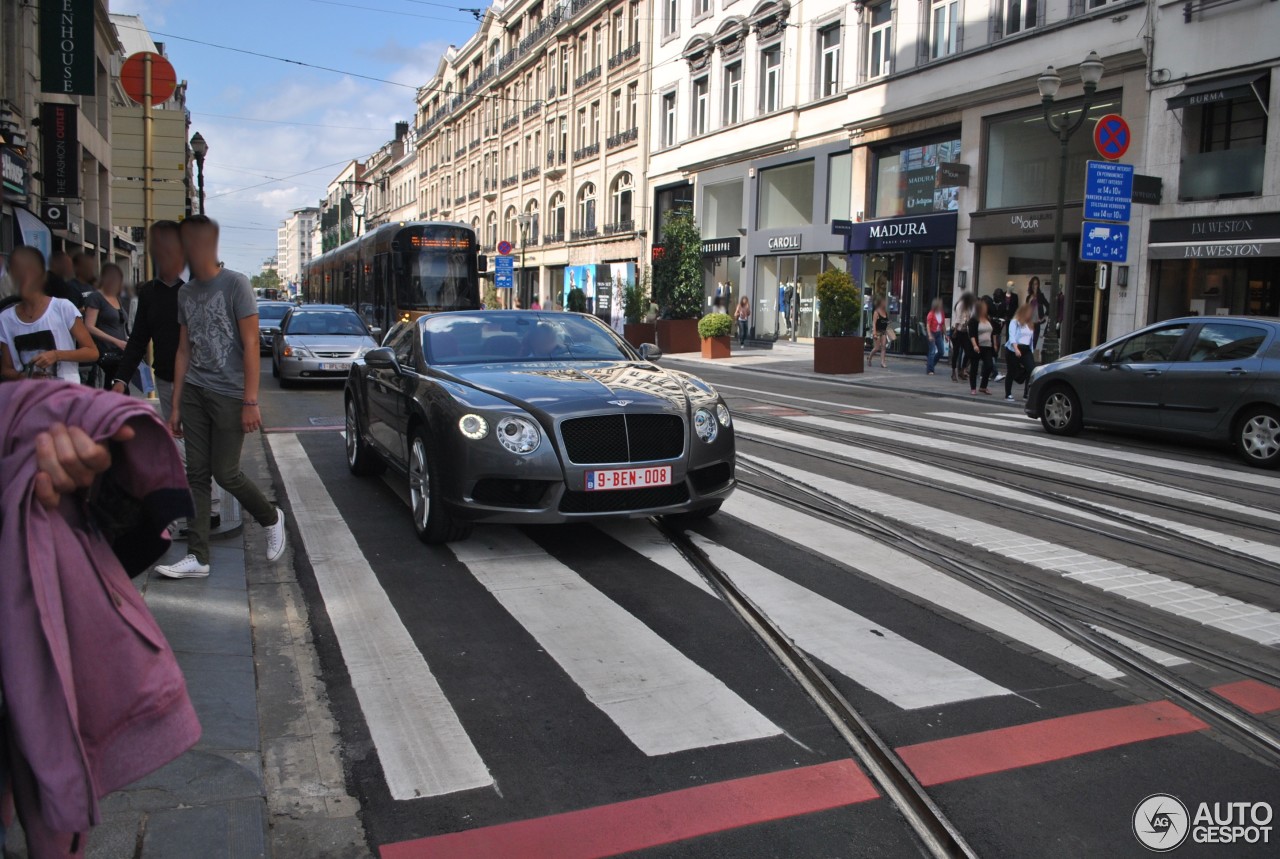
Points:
[(732, 94), (668, 119), (880, 40), (839, 186), (829, 41), (785, 196), (771, 78), (944, 28), (906, 178), (722, 209), (1021, 159), (1224, 146), (701, 119)]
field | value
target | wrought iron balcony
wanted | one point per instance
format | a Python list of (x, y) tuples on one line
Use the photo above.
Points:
[(586, 233), (509, 181), (460, 199), (624, 56), (531, 173), (622, 138), (586, 152), (473, 145), (553, 238), (459, 152), (473, 195), (627, 226), (587, 77), (510, 122), (533, 109)]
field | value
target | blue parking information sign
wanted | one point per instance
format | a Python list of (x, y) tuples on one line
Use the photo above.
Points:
[(504, 272), (1108, 191), (1104, 242)]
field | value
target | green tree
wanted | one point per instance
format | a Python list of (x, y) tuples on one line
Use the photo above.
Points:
[(839, 304), (269, 279), (636, 298), (677, 272)]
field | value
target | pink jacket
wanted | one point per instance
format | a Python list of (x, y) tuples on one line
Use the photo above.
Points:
[(94, 696)]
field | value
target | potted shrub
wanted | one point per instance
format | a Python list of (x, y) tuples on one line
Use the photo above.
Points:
[(839, 348), (635, 307), (715, 330), (577, 301), (677, 283)]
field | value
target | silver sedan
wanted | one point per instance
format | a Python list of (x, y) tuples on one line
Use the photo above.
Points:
[(318, 342)]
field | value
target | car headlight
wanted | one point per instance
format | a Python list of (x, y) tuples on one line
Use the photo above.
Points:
[(519, 435), (296, 352), (362, 351), (473, 426), (722, 415), (1038, 371), (704, 424)]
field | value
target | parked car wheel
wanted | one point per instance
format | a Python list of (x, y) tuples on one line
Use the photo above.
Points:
[(361, 459), (1257, 436), (430, 518), (1060, 412)]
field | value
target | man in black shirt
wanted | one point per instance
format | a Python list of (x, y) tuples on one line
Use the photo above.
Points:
[(60, 281)]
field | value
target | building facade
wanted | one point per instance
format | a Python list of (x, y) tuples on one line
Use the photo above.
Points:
[(295, 245), (342, 208), (391, 194), (534, 133)]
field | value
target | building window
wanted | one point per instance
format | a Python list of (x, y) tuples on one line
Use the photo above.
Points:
[(670, 17), (701, 119), (564, 71), (491, 229), (511, 225), (595, 123), (880, 41), (619, 32), (668, 119), (785, 196), (633, 23), (587, 207), (582, 127), (1021, 166), (1020, 15), (633, 105), (531, 222), (732, 94), (771, 78), (839, 186), (556, 208), (829, 60), (622, 194), (615, 113), (906, 178), (944, 28), (701, 9), (1224, 147)]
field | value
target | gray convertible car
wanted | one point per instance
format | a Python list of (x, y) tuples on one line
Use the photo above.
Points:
[(532, 417), (1214, 379)]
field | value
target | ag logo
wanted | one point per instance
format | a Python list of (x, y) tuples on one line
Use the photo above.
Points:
[(1160, 822)]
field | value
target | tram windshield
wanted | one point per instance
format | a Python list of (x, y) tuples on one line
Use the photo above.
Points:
[(439, 266)]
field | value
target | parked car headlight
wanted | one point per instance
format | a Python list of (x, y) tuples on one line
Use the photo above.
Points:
[(722, 415), (473, 426), (296, 352), (362, 351), (519, 435), (704, 424)]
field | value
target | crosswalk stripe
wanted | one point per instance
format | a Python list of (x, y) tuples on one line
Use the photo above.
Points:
[(1066, 446), (1005, 421), (911, 576), (422, 746), (1178, 598), (1034, 462), (770, 395), (1168, 660), (1244, 546), (641, 538), (942, 476), (660, 699)]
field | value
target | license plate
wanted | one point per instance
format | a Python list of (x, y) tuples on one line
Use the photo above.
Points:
[(339, 366), (628, 478)]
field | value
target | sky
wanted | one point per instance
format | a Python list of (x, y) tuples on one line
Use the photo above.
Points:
[(279, 132)]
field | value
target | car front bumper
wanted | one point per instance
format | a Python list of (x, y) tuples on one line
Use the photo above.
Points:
[(318, 369)]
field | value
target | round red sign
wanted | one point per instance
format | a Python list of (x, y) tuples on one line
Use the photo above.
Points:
[(133, 77), (504, 248), (1111, 136)]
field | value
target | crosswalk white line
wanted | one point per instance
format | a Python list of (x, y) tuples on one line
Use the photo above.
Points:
[(1168, 660), (660, 699), (641, 537), (911, 576), (1177, 598), (942, 476), (1262, 551), (1018, 421), (1034, 462), (771, 395), (422, 746), (1132, 457)]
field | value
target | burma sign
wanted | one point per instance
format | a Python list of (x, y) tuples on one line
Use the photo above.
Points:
[(66, 47)]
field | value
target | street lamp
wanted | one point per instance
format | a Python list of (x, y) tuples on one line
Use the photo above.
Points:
[(358, 211), (1062, 125), (199, 148)]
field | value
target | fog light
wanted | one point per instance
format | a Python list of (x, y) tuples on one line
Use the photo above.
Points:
[(473, 426)]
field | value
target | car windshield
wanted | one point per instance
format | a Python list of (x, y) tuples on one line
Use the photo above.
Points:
[(272, 311), (503, 337), (336, 324)]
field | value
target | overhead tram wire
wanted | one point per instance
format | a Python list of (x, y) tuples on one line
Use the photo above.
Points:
[(387, 11)]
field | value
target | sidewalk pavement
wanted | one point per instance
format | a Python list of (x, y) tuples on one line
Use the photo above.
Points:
[(904, 373)]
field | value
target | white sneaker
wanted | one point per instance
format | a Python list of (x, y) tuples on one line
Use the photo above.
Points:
[(187, 568), (275, 537), (1009, 397)]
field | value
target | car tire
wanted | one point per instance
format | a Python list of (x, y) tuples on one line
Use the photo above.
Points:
[(1257, 436), (1060, 411), (693, 515), (361, 459), (431, 519), (275, 368)]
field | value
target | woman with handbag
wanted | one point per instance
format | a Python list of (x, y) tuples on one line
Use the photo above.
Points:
[(106, 317), (960, 347), (1019, 353)]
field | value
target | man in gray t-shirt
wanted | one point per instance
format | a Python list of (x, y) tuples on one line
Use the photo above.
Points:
[(211, 310)]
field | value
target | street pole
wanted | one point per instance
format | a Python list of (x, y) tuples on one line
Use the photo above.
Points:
[(148, 168)]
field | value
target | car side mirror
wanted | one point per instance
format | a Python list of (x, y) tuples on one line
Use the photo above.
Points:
[(1108, 357), (381, 358), (650, 352)]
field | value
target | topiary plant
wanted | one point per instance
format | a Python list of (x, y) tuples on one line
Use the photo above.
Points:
[(839, 304), (715, 325), (577, 301), (677, 270)]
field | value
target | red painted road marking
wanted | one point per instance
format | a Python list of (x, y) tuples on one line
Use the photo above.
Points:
[(668, 817), (1251, 696), (857, 411)]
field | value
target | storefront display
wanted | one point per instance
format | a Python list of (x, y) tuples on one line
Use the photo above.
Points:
[(1215, 266), (602, 287), (906, 178)]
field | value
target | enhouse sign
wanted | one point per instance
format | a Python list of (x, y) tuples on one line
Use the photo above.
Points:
[(66, 47)]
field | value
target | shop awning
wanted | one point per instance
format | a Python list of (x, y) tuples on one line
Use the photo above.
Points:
[(1218, 90), (34, 232)]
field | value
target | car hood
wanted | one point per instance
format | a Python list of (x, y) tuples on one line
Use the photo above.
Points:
[(560, 388), (263, 322), (330, 342)]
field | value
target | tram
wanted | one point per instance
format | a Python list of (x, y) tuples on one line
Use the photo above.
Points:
[(400, 271)]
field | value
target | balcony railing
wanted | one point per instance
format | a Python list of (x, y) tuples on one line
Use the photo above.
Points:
[(551, 92), (533, 109), (613, 229), (586, 152), (531, 240), (473, 195), (553, 238), (487, 249), (531, 173), (622, 138), (624, 56), (555, 159), (459, 152), (433, 211), (587, 77), (509, 181), (473, 145), (585, 233), (460, 199), (510, 122), (433, 168)]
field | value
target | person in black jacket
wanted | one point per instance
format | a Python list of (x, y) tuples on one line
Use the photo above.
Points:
[(156, 322)]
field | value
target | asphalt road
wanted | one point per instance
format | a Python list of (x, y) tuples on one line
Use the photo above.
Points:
[(580, 691)]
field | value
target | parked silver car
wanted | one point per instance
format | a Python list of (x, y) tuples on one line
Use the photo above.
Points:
[(319, 341), (1208, 378), (270, 313)]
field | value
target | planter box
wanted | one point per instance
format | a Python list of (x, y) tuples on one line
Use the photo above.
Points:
[(837, 355), (716, 347), (678, 335), (637, 333)]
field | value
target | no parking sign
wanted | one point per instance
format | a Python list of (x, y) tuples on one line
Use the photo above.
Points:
[(1111, 136)]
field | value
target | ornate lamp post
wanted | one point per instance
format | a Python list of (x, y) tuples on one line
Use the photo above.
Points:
[(199, 148)]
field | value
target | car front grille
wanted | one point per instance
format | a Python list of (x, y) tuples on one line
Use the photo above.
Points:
[(509, 493), (603, 439), (346, 353), (621, 500)]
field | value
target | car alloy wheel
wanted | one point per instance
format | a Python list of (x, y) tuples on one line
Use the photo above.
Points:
[(1058, 410), (362, 461), (353, 434), (1260, 437), (420, 484)]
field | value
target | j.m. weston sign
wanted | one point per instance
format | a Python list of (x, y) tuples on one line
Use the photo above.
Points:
[(66, 47)]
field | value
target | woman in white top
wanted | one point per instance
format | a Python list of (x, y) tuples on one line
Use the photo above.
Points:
[(40, 336), (1019, 354)]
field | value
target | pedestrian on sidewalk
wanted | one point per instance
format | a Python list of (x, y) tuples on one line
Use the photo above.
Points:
[(880, 325), (1039, 312), (742, 313), (1019, 355), (960, 348), (936, 323), (41, 337), (106, 316), (982, 334), (62, 280), (215, 392)]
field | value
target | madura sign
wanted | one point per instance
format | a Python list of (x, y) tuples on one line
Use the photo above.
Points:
[(66, 47), (913, 231)]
